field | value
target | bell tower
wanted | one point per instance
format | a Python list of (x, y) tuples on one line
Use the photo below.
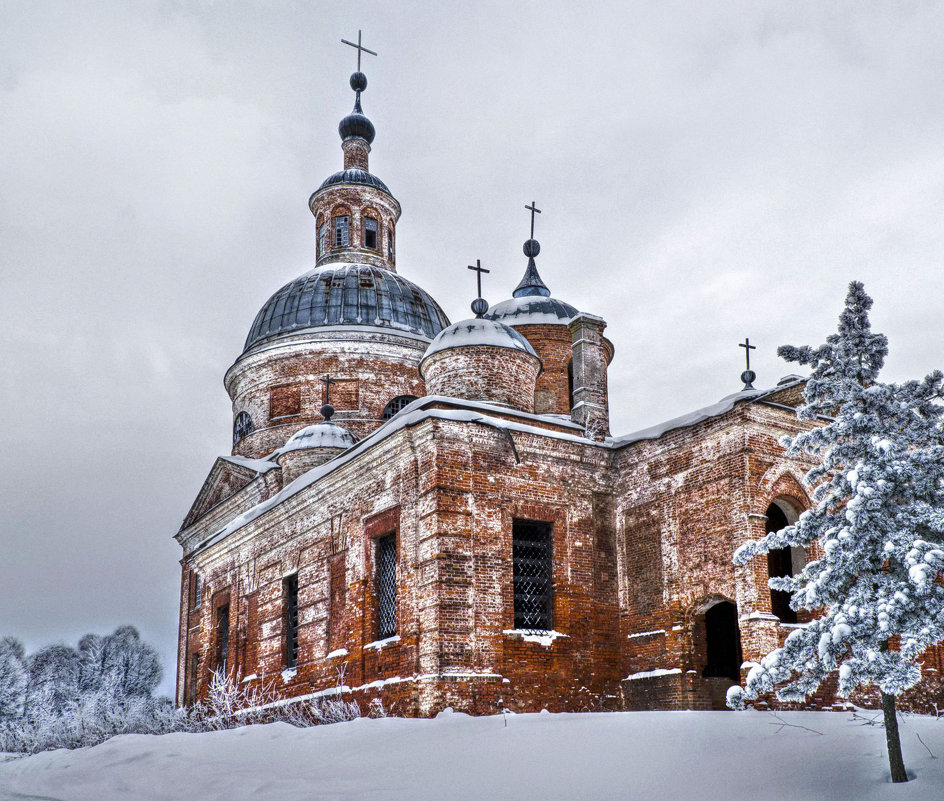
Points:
[(355, 213)]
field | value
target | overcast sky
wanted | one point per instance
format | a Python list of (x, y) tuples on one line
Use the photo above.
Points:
[(707, 171)]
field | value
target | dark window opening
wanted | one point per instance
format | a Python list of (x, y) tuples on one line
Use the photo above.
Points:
[(342, 231), (370, 233), (398, 403), (386, 553), (531, 555), (195, 599), (570, 382), (222, 639), (779, 563), (242, 426), (290, 592), (390, 243), (323, 239), (723, 642), (194, 678)]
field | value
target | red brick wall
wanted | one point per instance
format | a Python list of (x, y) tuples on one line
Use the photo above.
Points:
[(483, 373)]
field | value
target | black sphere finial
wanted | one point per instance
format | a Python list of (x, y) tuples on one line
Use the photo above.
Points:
[(748, 377), (479, 306), (327, 411), (358, 82), (531, 248)]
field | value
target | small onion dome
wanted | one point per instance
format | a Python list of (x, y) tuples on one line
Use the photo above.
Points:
[(320, 435), (356, 124), (482, 360), (474, 332), (532, 310), (310, 447)]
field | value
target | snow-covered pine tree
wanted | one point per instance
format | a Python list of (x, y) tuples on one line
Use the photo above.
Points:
[(876, 593)]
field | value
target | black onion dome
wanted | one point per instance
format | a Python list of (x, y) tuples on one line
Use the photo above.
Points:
[(356, 124), (355, 176), (348, 294)]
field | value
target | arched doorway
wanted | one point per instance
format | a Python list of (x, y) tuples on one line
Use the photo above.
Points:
[(782, 561), (722, 642)]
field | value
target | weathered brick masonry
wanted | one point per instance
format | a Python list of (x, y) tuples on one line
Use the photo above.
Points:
[(484, 542)]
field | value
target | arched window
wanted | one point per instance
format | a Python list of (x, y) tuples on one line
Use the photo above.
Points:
[(722, 642), (396, 405), (323, 239), (342, 230), (782, 562), (370, 233), (390, 250), (242, 426)]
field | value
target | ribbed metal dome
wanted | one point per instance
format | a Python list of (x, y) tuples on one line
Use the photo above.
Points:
[(354, 176), (348, 294)]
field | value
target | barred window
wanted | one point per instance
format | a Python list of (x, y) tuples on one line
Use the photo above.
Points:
[(396, 405), (242, 426), (222, 638), (370, 233), (386, 556), (323, 239), (531, 555), (342, 231), (290, 593)]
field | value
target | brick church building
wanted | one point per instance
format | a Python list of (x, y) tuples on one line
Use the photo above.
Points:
[(436, 514)]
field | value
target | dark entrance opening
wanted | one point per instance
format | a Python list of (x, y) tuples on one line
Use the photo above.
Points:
[(779, 563), (723, 642)]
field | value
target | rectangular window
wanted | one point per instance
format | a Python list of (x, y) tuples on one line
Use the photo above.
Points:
[(290, 594), (337, 589), (222, 638), (342, 231), (370, 233), (194, 678), (386, 557), (390, 243), (322, 239), (531, 555)]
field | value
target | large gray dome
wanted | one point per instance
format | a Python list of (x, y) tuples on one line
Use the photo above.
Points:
[(348, 294)]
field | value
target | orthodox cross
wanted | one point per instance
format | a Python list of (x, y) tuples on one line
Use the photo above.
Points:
[(479, 269), (359, 47), (534, 210), (748, 347), (327, 381)]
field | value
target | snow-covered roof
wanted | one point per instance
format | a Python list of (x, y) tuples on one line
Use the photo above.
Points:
[(256, 465), (700, 415), (478, 331), (320, 435), (532, 310), (402, 420)]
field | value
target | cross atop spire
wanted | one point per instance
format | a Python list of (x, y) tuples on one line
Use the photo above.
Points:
[(534, 210), (359, 47), (327, 381), (748, 375)]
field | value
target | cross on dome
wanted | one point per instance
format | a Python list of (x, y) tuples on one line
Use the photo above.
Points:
[(534, 210), (748, 375), (479, 305), (359, 47)]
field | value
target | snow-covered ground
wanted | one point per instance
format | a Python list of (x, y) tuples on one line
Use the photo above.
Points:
[(679, 756)]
